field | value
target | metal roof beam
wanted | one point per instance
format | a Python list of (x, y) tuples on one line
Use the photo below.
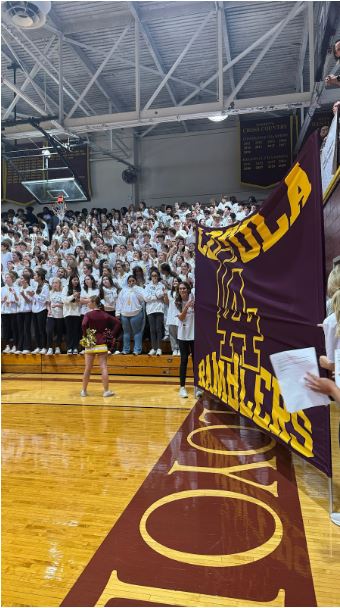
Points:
[(127, 61), (219, 20), (178, 60), (40, 59), (106, 122), (292, 13), (98, 71), (226, 44), (32, 74), (23, 96), (148, 13), (90, 68), (298, 7), (10, 54), (84, 60), (301, 60), (152, 50), (244, 53), (61, 81)]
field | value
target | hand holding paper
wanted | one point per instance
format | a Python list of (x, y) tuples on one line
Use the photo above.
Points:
[(291, 367)]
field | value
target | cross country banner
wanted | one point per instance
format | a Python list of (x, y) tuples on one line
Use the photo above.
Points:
[(258, 292)]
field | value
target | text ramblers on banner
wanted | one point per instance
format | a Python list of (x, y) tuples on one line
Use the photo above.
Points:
[(257, 293)]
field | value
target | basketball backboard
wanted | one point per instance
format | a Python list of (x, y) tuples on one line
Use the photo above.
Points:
[(47, 190)]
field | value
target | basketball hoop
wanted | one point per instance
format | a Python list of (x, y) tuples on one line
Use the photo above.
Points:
[(59, 208)]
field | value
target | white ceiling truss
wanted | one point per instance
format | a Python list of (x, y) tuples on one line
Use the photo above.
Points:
[(161, 66)]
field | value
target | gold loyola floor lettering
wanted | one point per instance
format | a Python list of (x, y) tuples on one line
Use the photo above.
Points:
[(232, 472), (117, 588), (212, 427), (216, 561), (206, 412)]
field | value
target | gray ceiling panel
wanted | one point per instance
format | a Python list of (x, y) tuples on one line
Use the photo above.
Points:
[(166, 28)]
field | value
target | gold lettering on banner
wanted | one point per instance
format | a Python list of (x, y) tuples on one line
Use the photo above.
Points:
[(231, 472), (299, 189), (305, 431), (206, 560), (241, 452), (254, 230), (117, 588)]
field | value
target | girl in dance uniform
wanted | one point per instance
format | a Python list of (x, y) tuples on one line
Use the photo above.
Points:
[(99, 320)]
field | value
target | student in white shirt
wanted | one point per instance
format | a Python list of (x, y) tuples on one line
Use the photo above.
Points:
[(108, 293), (55, 318), (172, 316), (39, 311), (88, 290), (71, 312), (24, 316), (130, 309), (9, 307), (186, 333), (154, 297), (6, 255)]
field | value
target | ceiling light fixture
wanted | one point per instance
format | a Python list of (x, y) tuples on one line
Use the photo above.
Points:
[(218, 117)]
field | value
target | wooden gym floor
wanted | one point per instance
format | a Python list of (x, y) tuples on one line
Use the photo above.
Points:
[(71, 466)]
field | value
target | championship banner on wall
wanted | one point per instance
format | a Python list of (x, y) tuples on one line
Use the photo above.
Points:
[(258, 293), (266, 148)]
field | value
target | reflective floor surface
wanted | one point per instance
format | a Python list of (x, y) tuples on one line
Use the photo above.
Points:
[(107, 501)]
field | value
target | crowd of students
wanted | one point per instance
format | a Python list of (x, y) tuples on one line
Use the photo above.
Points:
[(140, 262)]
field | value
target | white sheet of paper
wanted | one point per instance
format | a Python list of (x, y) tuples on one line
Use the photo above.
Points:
[(337, 367), (290, 368)]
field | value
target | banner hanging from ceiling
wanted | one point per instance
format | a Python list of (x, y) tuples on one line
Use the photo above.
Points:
[(258, 292)]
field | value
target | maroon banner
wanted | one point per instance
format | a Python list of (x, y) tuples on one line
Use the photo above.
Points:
[(217, 522), (258, 292)]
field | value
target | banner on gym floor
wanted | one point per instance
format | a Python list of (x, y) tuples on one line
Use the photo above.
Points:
[(259, 292)]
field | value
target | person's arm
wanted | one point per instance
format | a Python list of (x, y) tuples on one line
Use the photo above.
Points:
[(115, 325), (332, 79), (183, 314), (160, 291), (148, 297), (118, 305), (323, 385), (27, 297), (85, 324), (84, 300), (325, 363)]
